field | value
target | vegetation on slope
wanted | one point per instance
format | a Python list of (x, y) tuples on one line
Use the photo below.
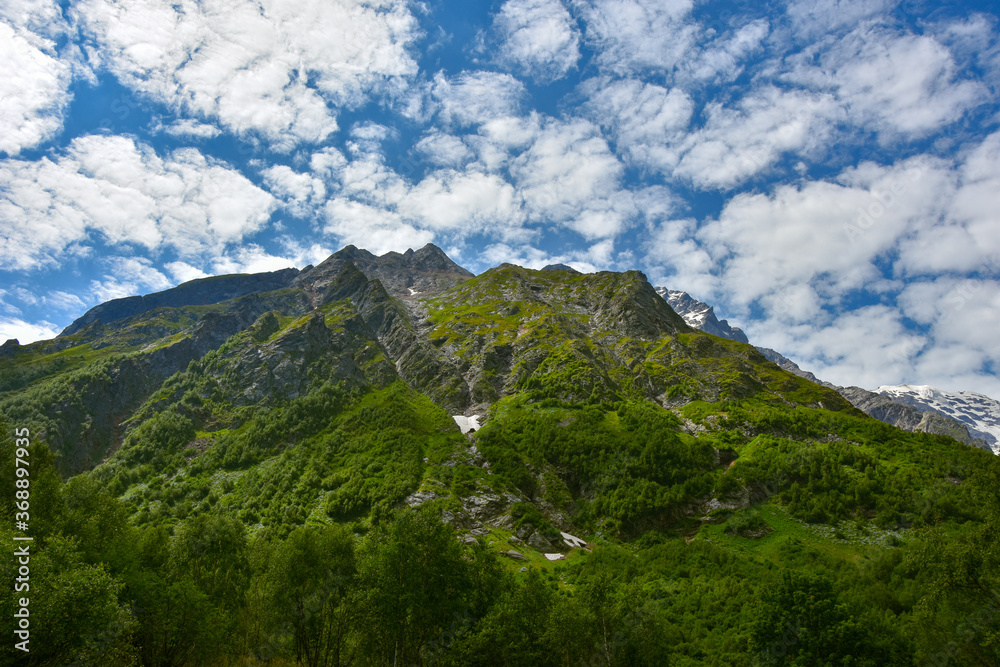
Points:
[(278, 486)]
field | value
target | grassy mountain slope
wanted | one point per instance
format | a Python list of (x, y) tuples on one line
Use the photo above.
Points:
[(704, 477)]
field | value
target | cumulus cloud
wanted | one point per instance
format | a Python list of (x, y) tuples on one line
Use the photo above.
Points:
[(823, 234), (722, 59), (187, 127), (182, 272), (644, 119), (961, 316), (473, 98), (812, 17), (128, 276), (373, 228), (34, 89), (867, 345), (638, 35), (300, 193), (274, 68), (539, 38), (569, 176), (735, 144), (443, 150), (125, 194), (894, 83)]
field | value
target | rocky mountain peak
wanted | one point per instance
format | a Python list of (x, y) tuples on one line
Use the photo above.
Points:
[(425, 271), (700, 315)]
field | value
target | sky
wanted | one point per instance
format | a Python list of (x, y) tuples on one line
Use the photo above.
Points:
[(824, 172)]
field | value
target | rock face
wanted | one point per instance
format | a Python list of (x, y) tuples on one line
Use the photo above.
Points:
[(192, 293), (700, 315), (425, 271)]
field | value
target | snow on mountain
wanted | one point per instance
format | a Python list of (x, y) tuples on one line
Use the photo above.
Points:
[(699, 315), (981, 414)]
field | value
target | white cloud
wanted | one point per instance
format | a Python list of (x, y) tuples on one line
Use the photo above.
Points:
[(812, 17), (473, 98), (586, 260), (251, 259), (735, 144), (372, 228), (187, 127), (443, 150), (462, 201), (274, 68), (540, 38), (126, 194), (570, 177), (300, 193), (128, 276), (963, 315), (34, 89), (722, 59), (26, 332), (865, 347), (367, 137), (826, 235), (182, 272), (893, 83), (64, 301), (644, 119), (638, 35), (678, 260)]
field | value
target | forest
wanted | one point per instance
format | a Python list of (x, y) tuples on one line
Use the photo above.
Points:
[(904, 572)]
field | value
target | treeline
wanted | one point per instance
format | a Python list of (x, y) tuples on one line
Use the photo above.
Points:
[(407, 592)]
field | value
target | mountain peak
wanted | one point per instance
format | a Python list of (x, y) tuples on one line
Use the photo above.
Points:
[(424, 271), (700, 315)]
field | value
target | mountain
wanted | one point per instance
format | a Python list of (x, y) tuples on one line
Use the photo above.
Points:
[(540, 467), (979, 413), (911, 417), (700, 315), (970, 418), (193, 293)]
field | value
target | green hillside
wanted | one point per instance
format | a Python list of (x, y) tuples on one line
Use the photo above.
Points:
[(277, 479)]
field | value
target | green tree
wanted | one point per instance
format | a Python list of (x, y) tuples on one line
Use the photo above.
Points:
[(413, 584), (308, 583)]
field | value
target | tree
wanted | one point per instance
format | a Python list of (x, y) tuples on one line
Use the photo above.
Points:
[(308, 582), (413, 584)]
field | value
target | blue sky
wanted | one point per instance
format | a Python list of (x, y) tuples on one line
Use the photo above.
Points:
[(825, 173)]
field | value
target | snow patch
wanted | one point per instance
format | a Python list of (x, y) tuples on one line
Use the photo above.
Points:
[(467, 424)]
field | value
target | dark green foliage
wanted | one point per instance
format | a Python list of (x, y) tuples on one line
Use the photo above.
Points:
[(800, 621), (629, 460), (307, 583)]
